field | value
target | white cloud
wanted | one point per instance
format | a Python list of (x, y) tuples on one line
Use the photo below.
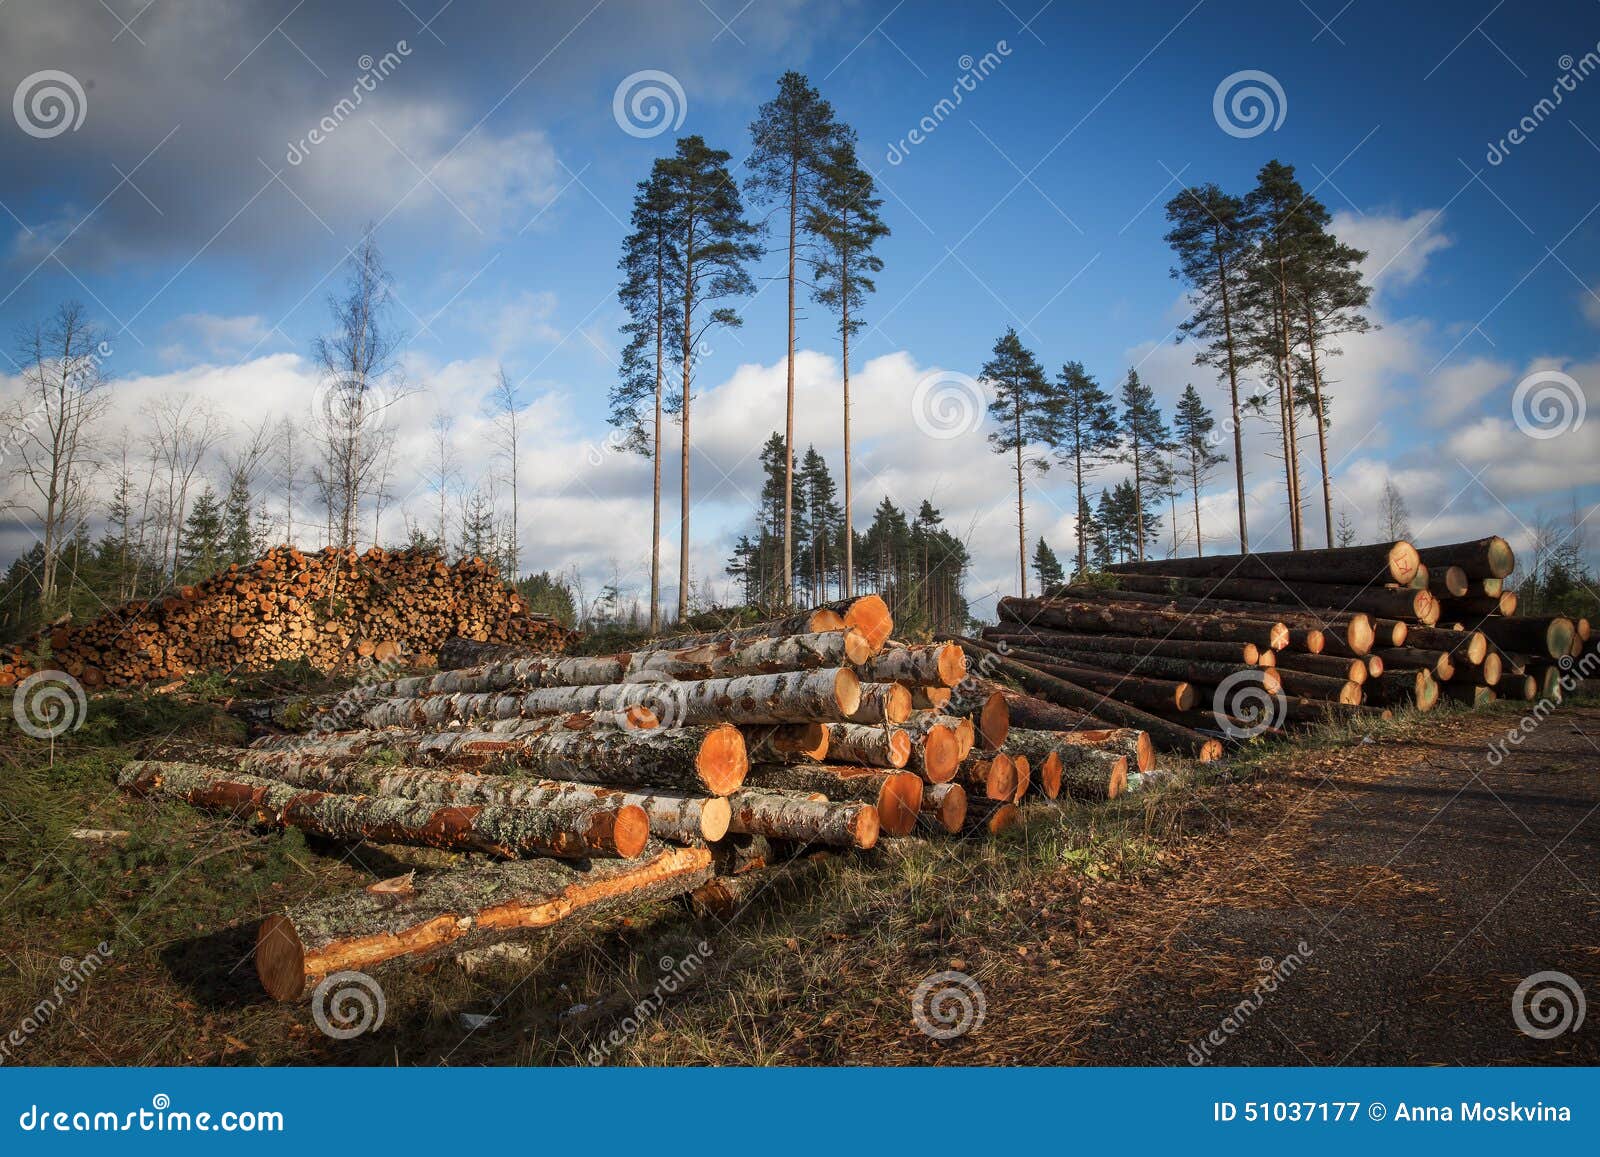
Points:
[(1398, 248)]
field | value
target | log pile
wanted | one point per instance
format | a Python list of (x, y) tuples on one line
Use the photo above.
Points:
[(1193, 650), (331, 609), (690, 765)]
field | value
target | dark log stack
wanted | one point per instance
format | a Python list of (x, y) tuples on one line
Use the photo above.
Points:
[(332, 609), (691, 764), (1266, 641)]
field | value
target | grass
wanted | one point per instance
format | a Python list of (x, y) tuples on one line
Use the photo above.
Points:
[(816, 965)]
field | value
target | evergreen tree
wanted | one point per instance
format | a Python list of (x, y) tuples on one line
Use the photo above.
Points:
[(1213, 237), (1192, 425), (1346, 534), (548, 594), (479, 534), (1027, 410), (1089, 437), (1145, 438), (711, 244), (203, 545), (1093, 539), (820, 526), (653, 329), (1046, 567), (239, 542), (847, 225), (791, 139)]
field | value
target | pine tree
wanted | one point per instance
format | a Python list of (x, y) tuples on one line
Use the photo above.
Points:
[(646, 292), (1346, 534), (203, 544), (479, 534), (820, 525), (1192, 425), (1213, 237), (847, 225), (711, 244), (239, 544), (1089, 437), (1028, 411), (1046, 567), (1145, 438), (791, 139), (1394, 517), (1093, 539)]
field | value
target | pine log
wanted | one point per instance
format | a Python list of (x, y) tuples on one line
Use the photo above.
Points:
[(782, 816), (1474, 607), (936, 749), (870, 746), (896, 794), (1246, 653), (989, 775), (1398, 688), (1449, 582), (815, 621), (1485, 558), (1042, 715), (451, 911), (944, 808), (1485, 674), (1467, 694), (867, 613), (936, 665), (1468, 646), (1091, 617), (882, 703), (1077, 763), (1523, 688), (1129, 741), (1066, 694), (1390, 602), (1155, 667), (989, 712), (1139, 690), (987, 817), (931, 698), (569, 827), (1330, 666), (787, 743), (1381, 562), (1304, 685), (695, 760), (1354, 623), (1441, 664), (1548, 636)]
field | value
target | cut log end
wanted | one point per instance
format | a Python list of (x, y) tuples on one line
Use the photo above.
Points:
[(1501, 559), (1050, 775), (865, 828), (1403, 562), (899, 801), (1279, 637), (1117, 781), (629, 829), (722, 760), (847, 691), (1184, 697), (857, 648), (941, 754), (715, 815), (280, 958), (870, 615), (952, 664), (1209, 751), (1359, 634), (994, 721), (951, 810)]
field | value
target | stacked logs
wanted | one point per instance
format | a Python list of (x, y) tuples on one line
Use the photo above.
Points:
[(330, 609), (691, 765), (1234, 646)]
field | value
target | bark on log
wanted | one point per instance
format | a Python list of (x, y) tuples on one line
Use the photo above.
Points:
[(1354, 623), (936, 748), (1043, 715), (1141, 690), (986, 817), (1095, 618), (1449, 582), (931, 698), (1129, 741), (880, 746), (1077, 764), (1066, 694), (882, 703), (944, 808), (1486, 558), (1304, 685), (1548, 636), (1467, 694), (1158, 667), (1474, 607), (451, 911), (711, 760), (935, 665), (1404, 688), (1400, 602), (1485, 674), (1442, 664), (1381, 562), (1468, 646), (815, 621), (789, 817), (989, 713), (787, 743), (568, 827), (1329, 666), (896, 794), (1043, 640), (989, 775)]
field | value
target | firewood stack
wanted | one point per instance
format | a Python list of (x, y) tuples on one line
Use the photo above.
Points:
[(692, 765), (1193, 649), (330, 609)]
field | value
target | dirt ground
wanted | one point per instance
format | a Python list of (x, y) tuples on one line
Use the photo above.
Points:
[(1347, 899)]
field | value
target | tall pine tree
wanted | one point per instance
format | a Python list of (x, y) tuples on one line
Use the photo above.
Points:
[(847, 226), (791, 139), (1145, 438), (1046, 567), (1027, 410), (203, 543), (1192, 426), (1089, 435)]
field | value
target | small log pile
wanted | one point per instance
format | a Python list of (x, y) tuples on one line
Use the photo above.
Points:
[(1191, 650), (331, 609), (691, 765)]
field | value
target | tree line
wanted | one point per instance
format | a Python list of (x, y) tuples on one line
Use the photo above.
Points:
[(686, 262)]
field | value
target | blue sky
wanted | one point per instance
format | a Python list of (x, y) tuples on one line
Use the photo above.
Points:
[(500, 178)]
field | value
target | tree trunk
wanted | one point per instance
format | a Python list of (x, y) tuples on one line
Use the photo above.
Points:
[(1044, 640), (1549, 637), (451, 911), (938, 665), (568, 827), (788, 743), (1307, 685), (869, 746), (1387, 562), (1322, 425), (1233, 393), (790, 817), (882, 703), (849, 582), (788, 423), (1090, 617), (989, 775), (896, 794), (1486, 558), (1391, 603), (944, 809)]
